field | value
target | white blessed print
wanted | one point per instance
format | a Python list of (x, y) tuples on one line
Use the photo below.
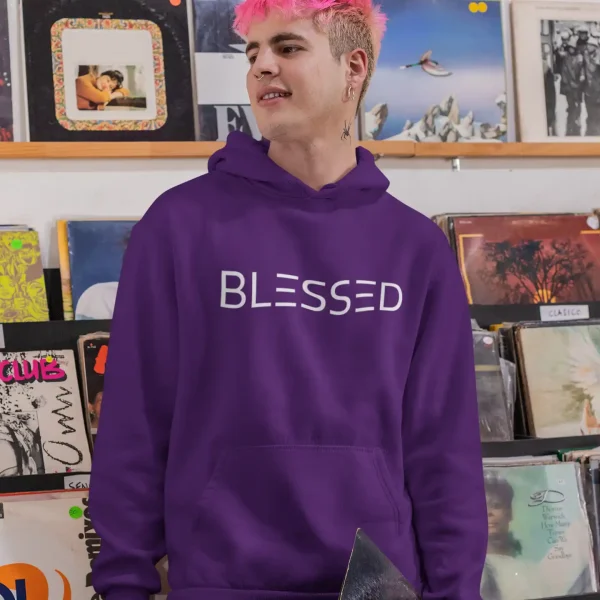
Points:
[(310, 294)]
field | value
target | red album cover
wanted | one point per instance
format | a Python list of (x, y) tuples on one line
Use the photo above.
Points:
[(529, 259)]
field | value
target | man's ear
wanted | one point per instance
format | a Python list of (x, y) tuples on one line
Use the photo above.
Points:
[(358, 64)]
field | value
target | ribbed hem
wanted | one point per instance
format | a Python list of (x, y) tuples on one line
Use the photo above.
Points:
[(127, 593)]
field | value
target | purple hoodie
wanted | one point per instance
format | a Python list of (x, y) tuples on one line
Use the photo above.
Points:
[(286, 366)]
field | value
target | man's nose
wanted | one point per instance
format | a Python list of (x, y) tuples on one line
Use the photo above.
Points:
[(265, 63)]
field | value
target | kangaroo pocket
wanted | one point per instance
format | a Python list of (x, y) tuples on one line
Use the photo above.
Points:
[(284, 517)]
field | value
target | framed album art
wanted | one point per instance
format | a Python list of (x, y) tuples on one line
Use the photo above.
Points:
[(557, 54), (108, 71)]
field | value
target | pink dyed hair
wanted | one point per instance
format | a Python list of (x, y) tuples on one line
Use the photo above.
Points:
[(250, 10)]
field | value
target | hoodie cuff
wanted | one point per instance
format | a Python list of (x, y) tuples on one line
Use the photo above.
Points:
[(127, 593)]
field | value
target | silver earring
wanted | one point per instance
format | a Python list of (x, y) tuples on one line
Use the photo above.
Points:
[(259, 78), (350, 92)]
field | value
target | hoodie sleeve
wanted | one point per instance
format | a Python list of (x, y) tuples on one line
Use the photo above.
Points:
[(130, 452), (441, 441)]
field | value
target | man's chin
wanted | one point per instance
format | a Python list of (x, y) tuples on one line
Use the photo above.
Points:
[(282, 130)]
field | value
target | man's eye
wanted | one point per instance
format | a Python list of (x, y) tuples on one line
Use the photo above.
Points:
[(251, 59), (290, 49)]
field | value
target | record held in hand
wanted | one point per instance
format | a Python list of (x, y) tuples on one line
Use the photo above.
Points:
[(372, 576)]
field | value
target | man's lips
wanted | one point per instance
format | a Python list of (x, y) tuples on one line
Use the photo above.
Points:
[(272, 94)]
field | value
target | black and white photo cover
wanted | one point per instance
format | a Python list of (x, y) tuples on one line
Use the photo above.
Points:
[(557, 70), (221, 67), (571, 55), (42, 423)]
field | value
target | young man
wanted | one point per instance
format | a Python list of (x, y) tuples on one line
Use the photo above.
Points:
[(291, 355)]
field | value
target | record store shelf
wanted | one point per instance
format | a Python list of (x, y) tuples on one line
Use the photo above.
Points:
[(507, 150), (538, 446), (58, 334), (69, 150), (578, 597), (391, 149), (46, 335)]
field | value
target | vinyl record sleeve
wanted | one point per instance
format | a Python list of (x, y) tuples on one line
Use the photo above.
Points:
[(539, 541), (47, 546), (93, 353), (42, 424), (6, 81), (429, 84), (70, 44), (492, 400), (96, 251), (371, 575), (23, 297), (522, 259), (560, 374)]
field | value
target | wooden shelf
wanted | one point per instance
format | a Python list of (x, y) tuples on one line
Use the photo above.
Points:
[(154, 149), (108, 149), (391, 149), (508, 150)]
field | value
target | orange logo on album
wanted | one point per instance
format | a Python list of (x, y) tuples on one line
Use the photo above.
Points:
[(100, 364), (28, 582)]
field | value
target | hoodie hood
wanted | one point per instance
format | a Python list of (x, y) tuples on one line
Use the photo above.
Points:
[(245, 157)]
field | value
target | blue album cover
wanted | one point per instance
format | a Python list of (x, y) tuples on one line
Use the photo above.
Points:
[(96, 250), (441, 74)]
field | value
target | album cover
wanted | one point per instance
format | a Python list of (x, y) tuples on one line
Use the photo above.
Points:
[(93, 353), (96, 251), (47, 546), (22, 285), (221, 68), (539, 538), (370, 574), (42, 424), (64, 265), (442, 74), (529, 259), (65, 572), (105, 70), (217, 121), (560, 366), (557, 52), (6, 80), (492, 400)]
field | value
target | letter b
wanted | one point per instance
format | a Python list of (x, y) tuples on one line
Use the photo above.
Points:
[(238, 290)]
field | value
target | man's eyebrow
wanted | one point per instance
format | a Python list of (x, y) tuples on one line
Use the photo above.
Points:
[(252, 46), (277, 39)]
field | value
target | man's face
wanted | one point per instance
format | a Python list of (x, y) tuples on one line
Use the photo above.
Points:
[(296, 60), (105, 83)]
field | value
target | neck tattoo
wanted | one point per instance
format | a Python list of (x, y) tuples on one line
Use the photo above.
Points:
[(346, 131)]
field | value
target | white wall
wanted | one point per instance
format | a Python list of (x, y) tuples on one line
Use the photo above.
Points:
[(38, 192)]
